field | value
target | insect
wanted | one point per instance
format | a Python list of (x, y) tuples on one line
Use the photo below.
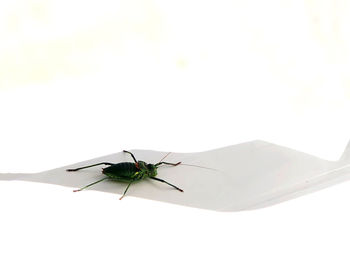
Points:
[(129, 172)]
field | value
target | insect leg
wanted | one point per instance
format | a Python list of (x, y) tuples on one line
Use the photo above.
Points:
[(173, 164), (163, 181), (90, 185), (126, 190), (77, 169), (131, 155)]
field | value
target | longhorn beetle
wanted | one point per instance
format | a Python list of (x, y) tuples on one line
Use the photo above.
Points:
[(129, 172)]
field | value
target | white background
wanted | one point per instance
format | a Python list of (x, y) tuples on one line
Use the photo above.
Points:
[(78, 81)]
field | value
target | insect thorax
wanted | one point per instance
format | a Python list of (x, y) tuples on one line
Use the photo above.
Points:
[(146, 170)]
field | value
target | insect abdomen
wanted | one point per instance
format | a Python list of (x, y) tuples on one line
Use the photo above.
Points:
[(121, 171)]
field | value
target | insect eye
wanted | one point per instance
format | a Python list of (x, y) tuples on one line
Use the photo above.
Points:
[(150, 166)]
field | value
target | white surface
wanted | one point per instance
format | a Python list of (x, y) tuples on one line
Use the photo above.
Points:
[(80, 80), (97, 227), (247, 176)]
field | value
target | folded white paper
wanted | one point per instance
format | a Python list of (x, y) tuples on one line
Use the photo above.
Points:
[(244, 176)]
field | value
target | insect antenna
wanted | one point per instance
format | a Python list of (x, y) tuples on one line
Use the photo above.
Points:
[(199, 166), (193, 165), (164, 157)]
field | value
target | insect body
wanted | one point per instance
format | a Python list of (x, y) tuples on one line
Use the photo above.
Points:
[(129, 172)]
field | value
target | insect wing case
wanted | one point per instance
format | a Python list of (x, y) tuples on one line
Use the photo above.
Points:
[(245, 176)]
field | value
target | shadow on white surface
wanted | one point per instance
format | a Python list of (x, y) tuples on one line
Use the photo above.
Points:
[(249, 175)]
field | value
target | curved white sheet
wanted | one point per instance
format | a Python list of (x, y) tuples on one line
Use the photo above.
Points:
[(249, 175)]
